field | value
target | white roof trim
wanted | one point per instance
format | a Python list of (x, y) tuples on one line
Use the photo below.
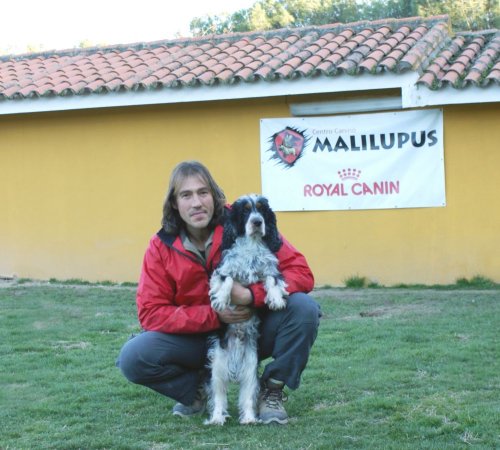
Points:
[(423, 96), (412, 95), (199, 93)]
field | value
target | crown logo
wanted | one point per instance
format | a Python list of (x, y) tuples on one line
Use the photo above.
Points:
[(349, 174)]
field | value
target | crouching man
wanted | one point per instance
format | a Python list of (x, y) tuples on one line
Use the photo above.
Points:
[(174, 310)]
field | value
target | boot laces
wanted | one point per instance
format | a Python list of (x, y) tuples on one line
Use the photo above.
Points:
[(274, 398)]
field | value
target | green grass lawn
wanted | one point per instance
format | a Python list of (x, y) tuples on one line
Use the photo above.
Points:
[(391, 369)]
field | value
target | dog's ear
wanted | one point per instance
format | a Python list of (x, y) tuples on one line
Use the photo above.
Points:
[(229, 235), (272, 237)]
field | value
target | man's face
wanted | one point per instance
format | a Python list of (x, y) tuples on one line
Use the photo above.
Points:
[(195, 203)]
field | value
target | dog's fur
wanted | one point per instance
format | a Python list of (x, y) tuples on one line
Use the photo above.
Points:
[(250, 240)]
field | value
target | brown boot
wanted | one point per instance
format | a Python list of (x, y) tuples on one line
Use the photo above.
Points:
[(197, 407), (271, 398)]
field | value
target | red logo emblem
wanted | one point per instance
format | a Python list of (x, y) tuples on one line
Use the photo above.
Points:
[(288, 146)]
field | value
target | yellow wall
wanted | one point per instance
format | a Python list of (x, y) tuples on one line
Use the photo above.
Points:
[(82, 192)]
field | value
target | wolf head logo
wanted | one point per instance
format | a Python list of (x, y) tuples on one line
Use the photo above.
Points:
[(287, 146)]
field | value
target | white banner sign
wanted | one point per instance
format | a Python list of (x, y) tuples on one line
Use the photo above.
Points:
[(366, 161)]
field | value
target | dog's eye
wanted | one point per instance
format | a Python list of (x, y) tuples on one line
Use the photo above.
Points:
[(258, 205), (248, 206)]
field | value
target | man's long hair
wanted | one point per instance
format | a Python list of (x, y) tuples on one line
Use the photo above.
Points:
[(171, 221)]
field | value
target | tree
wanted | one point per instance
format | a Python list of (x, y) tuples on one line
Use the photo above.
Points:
[(269, 14), (272, 14), (263, 15), (464, 14), (381, 9)]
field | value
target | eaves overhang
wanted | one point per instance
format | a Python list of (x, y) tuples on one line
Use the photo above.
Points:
[(413, 95), (421, 96)]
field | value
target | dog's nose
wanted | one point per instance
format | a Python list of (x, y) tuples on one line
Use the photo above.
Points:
[(257, 222)]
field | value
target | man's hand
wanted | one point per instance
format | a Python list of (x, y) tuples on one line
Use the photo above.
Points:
[(240, 309), (241, 295), (236, 314)]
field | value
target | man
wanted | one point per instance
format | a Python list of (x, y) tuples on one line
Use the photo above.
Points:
[(174, 310)]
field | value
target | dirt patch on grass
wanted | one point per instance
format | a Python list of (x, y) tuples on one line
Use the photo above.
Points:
[(398, 310), (69, 345), (385, 303)]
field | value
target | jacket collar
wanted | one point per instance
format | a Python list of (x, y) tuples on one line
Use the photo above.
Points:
[(174, 241), (166, 238), (169, 239)]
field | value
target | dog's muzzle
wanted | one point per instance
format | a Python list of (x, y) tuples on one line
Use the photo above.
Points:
[(256, 224)]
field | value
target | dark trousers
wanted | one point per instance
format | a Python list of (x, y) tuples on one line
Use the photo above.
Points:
[(172, 364)]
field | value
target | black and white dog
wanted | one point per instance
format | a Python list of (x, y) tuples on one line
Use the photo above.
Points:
[(249, 244)]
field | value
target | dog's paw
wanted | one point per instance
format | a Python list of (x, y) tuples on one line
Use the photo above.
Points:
[(276, 293), (217, 419), (275, 299), (216, 282), (218, 302), (248, 419), (220, 293), (276, 303)]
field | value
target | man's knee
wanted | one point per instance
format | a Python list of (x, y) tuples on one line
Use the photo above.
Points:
[(129, 362), (153, 356), (140, 357), (304, 309)]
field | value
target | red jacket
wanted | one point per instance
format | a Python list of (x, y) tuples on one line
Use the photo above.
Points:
[(172, 295)]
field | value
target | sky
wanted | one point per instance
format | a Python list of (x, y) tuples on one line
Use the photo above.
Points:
[(62, 24)]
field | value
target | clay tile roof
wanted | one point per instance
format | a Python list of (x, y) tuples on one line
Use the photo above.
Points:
[(469, 59), (425, 46)]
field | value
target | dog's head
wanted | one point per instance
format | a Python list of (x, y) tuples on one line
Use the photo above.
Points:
[(251, 216)]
